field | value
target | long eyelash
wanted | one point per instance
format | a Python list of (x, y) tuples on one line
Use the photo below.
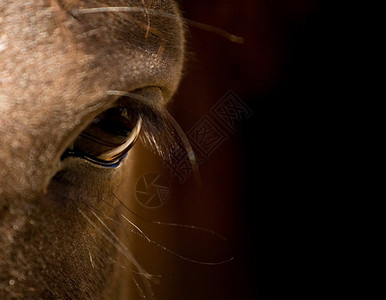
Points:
[(161, 132), (186, 146)]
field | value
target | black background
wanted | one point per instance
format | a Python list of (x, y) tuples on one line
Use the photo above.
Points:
[(264, 186)]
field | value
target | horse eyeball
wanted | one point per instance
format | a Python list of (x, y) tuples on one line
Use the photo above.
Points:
[(108, 138)]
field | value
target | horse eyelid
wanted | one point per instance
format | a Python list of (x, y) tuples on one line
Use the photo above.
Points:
[(156, 132), (160, 130)]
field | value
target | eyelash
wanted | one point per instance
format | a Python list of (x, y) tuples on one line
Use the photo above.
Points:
[(162, 133), (157, 131), (107, 140)]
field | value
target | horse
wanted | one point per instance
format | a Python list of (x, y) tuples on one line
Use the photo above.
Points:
[(79, 82)]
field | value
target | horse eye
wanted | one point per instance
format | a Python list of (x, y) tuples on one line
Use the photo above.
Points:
[(107, 139)]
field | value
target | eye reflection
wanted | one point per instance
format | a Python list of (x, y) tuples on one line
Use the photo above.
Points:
[(108, 138)]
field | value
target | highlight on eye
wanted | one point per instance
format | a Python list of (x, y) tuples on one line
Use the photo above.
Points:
[(108, 138)]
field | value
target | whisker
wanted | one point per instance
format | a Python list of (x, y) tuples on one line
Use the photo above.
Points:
[(126, 268), (109, 230), (199, 262), (159, 245), (173, 252), (140, 232), (142, 294), (116, 238), (145, 275), (128, 254), (215, 30), (131, 223), (147, 17), (92, 263), (193, 227)]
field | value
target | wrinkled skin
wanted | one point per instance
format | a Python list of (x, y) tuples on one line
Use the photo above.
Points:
[(55, 70)]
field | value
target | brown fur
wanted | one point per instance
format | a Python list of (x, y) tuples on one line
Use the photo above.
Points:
[(55, 70)]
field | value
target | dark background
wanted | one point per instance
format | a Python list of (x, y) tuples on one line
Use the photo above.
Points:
[(260, 188)]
